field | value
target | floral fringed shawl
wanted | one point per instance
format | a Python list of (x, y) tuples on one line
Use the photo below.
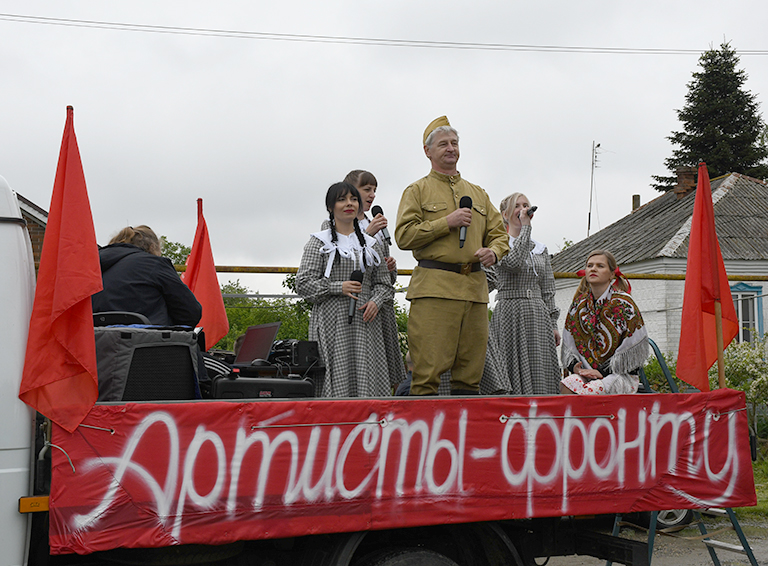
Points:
[(609, 330)]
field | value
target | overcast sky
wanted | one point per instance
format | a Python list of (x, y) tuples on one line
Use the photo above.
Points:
[(259, 128)]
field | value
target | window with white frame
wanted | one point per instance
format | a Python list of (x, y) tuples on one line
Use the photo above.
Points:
[(748, 301)]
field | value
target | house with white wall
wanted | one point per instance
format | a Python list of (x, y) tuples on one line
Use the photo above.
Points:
[(653, 239)]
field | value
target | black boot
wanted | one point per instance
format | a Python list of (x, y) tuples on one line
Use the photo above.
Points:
[(464, 392)]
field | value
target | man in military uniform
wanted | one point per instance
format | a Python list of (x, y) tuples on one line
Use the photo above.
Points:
[(448, 321)]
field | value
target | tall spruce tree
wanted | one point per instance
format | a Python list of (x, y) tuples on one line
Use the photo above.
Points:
[(721, 123)]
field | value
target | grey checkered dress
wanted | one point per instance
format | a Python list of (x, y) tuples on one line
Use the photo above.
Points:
[(521, 358), (353, 354), (389, 331)]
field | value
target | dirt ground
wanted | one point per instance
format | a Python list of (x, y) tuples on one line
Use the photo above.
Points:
[(673, 551)]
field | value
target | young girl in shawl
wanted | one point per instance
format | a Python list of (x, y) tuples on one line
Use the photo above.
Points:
[(605, 340), (521, 358), (366, 184), (353, 353)]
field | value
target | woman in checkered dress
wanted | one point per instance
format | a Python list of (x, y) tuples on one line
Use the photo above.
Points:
[(521, 358), (353, 353), (366, 184)]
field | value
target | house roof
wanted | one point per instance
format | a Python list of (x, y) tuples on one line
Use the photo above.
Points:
[(661, 228)]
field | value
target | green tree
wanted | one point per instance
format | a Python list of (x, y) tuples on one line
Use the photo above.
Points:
[(243, 312), (721, 122), (401, 318), (174, 251)]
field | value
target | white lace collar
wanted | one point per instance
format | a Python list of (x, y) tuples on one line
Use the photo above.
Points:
[(538, 249), (364, 223), (348, 247)]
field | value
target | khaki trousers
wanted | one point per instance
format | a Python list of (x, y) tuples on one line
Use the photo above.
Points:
[(446, 334)]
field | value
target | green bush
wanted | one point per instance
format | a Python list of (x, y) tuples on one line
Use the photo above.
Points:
[(746, 369), (655, 375)]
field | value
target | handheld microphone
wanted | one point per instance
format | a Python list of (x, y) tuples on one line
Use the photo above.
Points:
[(465, 202), (356, 275), (376, 210), (532, 210)]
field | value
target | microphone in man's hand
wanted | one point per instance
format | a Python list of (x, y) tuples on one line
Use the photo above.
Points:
[(465, 202), (376, 210), (532, 210), (357, 275)]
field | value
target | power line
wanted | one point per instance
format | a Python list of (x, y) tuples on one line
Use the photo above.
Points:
[(386, 42)]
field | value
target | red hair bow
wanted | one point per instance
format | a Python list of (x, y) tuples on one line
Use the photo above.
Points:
[(619, 274)]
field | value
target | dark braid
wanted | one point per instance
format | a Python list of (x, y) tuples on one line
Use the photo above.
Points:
[(361, 238), (334, 237)]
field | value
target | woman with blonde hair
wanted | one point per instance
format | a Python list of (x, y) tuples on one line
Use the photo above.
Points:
[(521, 358), (605, 340), (138, 279)]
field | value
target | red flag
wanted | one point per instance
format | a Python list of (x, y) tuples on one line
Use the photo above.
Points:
[(705, 283), (200, 277), (60, 378)]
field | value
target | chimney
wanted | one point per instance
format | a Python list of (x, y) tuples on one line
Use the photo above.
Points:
[(686, 181), (635, 202)]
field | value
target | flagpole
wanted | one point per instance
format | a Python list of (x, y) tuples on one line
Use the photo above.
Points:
[(720, 347)]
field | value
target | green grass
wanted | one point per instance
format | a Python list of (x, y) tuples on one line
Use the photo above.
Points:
[(760, 511)]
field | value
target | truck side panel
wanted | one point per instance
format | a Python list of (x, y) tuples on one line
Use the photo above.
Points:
[(153, 475)]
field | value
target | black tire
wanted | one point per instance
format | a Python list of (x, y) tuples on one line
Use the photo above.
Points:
[(674, 519), (406, 557)]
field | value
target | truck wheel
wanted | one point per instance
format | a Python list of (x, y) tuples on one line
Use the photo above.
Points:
[(673, 518), (406, 557)]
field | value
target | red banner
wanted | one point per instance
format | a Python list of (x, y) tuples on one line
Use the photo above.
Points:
[(151, 475)]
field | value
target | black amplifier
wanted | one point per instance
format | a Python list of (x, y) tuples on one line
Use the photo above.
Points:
[(262, 388), (295, 353)]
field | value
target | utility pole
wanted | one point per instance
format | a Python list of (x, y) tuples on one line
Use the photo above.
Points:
[(592, 185)]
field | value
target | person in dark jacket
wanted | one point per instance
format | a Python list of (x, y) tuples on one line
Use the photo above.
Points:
[(137, 279)]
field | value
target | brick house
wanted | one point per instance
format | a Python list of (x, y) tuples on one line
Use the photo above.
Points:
[(653, 238), (37, 219)]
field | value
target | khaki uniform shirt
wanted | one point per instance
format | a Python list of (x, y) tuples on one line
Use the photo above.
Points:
[(422, 228)]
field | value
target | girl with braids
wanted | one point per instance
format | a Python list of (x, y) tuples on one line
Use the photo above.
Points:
[(605, 340), (137, 279), (366, 185), (353, 352)]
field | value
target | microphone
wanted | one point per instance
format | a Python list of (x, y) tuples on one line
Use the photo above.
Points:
[(376, 210), (532, 210), (465, 202), (357, 275)]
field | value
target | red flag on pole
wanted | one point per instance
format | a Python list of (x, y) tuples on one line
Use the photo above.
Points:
[(705, 284), (200, 277), (60, 378)]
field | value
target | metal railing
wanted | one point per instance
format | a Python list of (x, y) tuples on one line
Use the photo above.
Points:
[(268, 269)]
